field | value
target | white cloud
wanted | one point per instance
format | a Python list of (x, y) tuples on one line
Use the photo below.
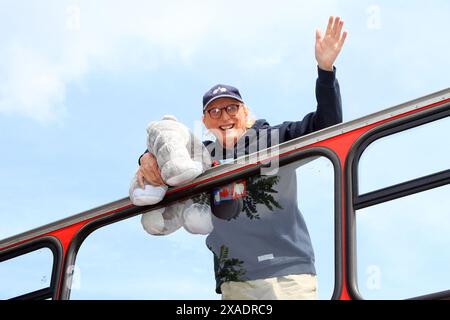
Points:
[(34, 86), (52, 50)]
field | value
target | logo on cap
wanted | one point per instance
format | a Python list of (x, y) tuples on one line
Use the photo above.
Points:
[(216, 91)]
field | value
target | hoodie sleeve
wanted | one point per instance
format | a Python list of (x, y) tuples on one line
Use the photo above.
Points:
[(328, 112)]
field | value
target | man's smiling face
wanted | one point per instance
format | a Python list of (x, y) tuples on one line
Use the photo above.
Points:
[(226, 128)]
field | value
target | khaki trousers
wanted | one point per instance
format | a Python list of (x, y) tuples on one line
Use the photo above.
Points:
[(292, 287)]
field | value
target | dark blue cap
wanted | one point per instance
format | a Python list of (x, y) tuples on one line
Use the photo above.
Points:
[(220, 91)]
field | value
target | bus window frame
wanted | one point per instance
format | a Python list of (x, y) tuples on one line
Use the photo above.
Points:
[(297, 155), (355, 201), (55, 247)]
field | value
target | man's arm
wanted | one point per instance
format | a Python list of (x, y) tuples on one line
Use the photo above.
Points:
[(329, 104), (328, 113), (327, 49)]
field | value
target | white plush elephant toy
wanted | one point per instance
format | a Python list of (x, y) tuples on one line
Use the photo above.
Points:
[(181, 158)]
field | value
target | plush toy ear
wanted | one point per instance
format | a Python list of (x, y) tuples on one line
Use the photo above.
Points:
[(169, 117), (150, 124), (166, 117)]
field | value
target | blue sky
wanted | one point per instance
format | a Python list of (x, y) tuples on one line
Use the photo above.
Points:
[(80, 80)]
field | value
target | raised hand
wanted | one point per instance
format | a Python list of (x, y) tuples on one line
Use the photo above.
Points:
[(329, 45)]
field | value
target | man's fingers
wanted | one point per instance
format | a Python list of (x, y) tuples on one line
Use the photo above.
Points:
[(339, 29), (141, 180), (335, 26), (318, 35), (342, 40), (157, 180), (329, 26), (159, 177), (153, 176), (152, 179)]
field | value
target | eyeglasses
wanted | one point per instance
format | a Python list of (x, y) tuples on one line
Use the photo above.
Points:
[(231, 110)]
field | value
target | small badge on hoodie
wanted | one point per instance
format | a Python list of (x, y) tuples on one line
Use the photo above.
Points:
[(230, 192)]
